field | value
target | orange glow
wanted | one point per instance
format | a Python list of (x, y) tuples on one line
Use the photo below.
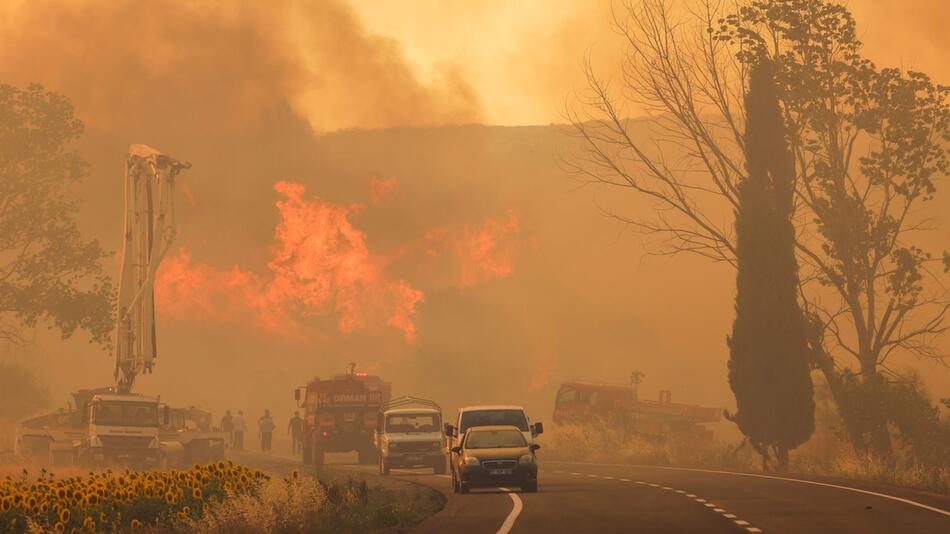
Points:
[(382, 190), (487, 252)]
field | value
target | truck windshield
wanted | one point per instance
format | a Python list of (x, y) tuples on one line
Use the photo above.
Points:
[(494, 439), (493, 418), (125, 414), (412, 422)]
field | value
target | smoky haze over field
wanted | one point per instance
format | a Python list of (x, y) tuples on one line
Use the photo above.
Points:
[(458, 261)]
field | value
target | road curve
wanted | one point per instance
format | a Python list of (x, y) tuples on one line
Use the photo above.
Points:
[(602, 498)]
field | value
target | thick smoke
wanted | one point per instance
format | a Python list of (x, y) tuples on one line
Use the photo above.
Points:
[(223, 65)]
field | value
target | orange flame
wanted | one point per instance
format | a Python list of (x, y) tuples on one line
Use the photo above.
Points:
[(320, 265)]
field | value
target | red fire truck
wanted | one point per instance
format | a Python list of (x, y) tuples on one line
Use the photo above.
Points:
[(617, 406), (340, 415)]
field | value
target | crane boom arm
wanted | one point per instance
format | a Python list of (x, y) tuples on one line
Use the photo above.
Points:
[(149, 232)]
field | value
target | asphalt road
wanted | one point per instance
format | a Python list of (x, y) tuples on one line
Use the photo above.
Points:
[(601, 498)]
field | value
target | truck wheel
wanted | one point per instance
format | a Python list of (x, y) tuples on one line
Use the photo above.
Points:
[(383, 466)]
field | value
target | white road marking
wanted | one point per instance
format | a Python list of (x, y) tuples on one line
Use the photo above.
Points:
[(575, 474), (513, 515), (786, 479), (517, 509)]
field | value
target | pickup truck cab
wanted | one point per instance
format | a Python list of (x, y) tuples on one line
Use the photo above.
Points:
[(408, 435), (491, 415)]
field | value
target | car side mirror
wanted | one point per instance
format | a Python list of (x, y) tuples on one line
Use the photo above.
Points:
[(538, 428), (457, 450), (297, 394), (534, 446)]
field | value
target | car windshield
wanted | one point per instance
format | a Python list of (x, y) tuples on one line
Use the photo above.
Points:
[(494, 439), (126, 414), (412, 422), (475, 418)]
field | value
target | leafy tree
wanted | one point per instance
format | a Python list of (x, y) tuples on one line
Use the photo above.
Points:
[(867, 144), (48, 272), (768, 366)]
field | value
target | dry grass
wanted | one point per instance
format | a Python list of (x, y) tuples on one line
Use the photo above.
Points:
[(830, 457)]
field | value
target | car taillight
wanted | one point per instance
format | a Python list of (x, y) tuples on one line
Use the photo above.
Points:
[(324, 433)]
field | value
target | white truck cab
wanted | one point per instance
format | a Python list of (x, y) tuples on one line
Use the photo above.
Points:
[(491, 415), (408, 434)]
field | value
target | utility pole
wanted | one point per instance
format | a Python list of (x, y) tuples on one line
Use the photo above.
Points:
[(635, 378)]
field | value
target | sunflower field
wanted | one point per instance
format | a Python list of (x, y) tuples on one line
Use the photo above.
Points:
[(119, 501)]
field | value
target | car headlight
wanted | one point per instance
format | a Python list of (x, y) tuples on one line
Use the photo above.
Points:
[(527, 459), (471, 460)]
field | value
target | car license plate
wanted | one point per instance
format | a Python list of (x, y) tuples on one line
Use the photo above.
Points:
[(499, 471)]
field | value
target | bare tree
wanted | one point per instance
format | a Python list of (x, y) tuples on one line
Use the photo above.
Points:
[(868, 145)]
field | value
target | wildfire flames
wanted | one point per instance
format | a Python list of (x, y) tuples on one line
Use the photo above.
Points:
[(321, 266)]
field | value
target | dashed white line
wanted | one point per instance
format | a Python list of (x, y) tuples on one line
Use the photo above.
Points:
[(575, 474), (516, 507), (693, 496)]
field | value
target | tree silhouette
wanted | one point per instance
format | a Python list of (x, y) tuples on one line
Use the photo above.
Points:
[(768, 366), (867, 145), (48, 272)]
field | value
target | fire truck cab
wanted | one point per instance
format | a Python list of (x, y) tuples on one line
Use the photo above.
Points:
[(340, 415)]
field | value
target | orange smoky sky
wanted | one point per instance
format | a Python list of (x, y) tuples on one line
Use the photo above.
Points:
[(367, 63)]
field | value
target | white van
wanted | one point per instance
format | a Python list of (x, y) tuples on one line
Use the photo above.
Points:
[(493, 415)]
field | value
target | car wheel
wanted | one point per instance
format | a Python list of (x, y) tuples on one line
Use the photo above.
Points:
[(530, 487)]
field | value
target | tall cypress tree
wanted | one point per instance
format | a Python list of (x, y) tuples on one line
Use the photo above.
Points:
[(768, 365)]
